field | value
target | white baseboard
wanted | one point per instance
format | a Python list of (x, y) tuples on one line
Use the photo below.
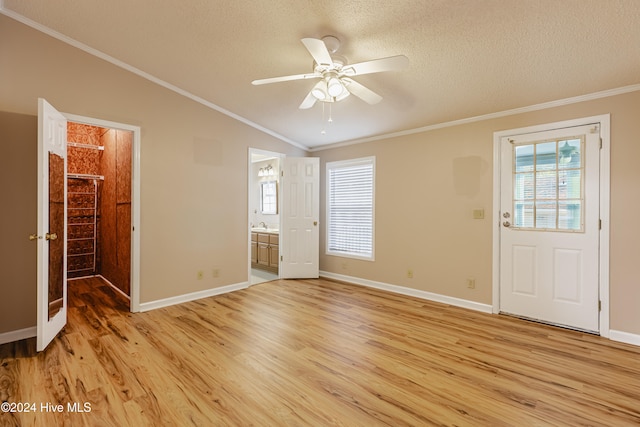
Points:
[(152, 305), (624, 337), (458, 302), (18, 335), (114, 287)]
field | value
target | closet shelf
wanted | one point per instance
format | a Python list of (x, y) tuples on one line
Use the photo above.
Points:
[(81, 145), (85, 176)]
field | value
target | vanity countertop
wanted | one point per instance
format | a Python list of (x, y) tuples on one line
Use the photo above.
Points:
[(265, 230)]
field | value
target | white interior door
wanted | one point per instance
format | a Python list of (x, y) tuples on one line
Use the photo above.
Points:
[(549, 239), (52, 224), (299, 231)]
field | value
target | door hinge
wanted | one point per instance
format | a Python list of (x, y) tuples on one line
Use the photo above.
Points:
[(599, 305), (601, 143), (281, 258), (282, 174), (599, 224)]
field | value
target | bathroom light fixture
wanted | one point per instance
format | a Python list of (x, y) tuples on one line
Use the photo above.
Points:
[(266, 171)]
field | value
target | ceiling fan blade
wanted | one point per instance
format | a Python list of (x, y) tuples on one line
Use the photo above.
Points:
[(392, 63), (285, 78), (308, 102), (362, 92), (318, 50)]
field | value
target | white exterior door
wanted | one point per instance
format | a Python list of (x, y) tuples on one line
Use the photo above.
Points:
[(300, 214), (52, 224), (549, 236)]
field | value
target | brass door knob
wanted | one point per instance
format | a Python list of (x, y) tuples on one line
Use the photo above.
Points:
[(34, 236), (52, 236), (506, 224)]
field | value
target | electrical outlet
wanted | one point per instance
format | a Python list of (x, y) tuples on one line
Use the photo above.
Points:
[(471, 283), (410, 274), (216, 272), (200, 274)]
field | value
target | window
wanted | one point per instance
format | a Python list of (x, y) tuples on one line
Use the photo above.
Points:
[(350, 208), (269, 199), (548, 185)]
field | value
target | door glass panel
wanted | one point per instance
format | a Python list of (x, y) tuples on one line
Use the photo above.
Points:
[(569, 184), (548, 185), (523, 187), (569, 215), (569, 154), (546, 156), (523, 215), (56, 236), (546, 213), (524, 158)]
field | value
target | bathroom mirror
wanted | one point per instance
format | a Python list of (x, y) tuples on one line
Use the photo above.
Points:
[(269, 197)]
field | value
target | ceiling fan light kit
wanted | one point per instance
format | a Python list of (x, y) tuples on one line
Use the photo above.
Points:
[(335, 74)]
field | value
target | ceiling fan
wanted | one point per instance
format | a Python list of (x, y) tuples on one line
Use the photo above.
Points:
[(336, 76)]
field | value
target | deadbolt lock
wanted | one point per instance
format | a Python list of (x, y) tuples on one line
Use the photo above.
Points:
[(506, 215)]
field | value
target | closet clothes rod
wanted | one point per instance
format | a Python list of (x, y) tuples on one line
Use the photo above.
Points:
[(85, 176), (89, 146)]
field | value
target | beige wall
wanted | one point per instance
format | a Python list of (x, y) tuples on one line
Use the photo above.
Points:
[(194, 211), (427, 185), (18, 219)]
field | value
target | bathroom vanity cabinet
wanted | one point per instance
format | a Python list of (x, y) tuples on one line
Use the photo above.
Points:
[(265, 253)]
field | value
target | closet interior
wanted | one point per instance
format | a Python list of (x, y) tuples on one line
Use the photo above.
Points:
[(99, 204)]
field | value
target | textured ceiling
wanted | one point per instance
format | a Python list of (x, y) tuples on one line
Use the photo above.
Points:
[(467, 57)]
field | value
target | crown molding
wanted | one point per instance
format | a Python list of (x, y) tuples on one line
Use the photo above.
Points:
[(99, 54), (499, 114)]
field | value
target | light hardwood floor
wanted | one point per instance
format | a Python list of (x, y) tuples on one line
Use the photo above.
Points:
[(315, 353)]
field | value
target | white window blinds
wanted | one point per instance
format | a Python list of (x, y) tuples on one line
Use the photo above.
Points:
[(350, 207)]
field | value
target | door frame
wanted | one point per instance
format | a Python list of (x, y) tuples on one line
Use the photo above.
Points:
[(605, 179), (134, 297), (250, 192)]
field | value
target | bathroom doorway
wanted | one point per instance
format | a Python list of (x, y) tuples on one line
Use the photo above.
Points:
[(264, 203)]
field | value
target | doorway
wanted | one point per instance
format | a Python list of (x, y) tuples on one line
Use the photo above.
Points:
[(99, 205), (551, 237), (51, 237), (103, 185), (264, 201)]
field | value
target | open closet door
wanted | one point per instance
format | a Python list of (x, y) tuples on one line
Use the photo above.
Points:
[(300, 213), (52, 223)]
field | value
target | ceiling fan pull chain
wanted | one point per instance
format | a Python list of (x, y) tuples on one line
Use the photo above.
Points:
[(323, 132), (330, 119)]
